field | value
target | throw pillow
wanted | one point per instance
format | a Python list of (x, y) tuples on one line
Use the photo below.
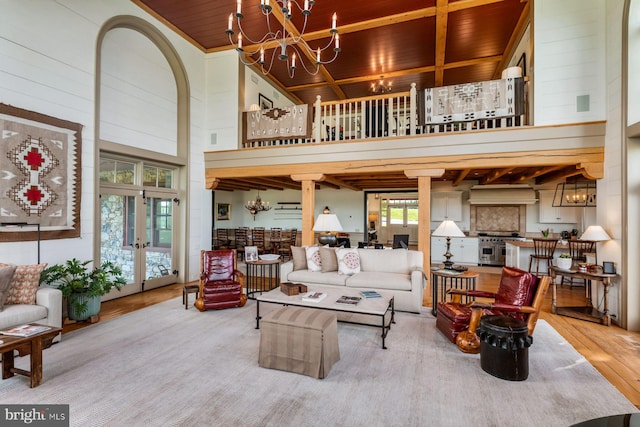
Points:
[(328, 259), (348, 261), (298, 253), (314, 262), (6, 274), (25, 284)]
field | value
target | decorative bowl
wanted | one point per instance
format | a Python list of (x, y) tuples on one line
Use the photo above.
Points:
[(269, 257)]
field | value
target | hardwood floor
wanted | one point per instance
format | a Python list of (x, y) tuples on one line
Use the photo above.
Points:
[(613, 351)]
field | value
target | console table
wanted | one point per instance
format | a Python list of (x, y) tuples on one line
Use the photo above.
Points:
[(450, 279), (588, 311)]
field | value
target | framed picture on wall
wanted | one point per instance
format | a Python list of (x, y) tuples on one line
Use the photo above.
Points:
[(264, 102), (223, 211)]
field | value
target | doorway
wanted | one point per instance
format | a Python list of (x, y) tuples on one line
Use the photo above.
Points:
[(137, 223)]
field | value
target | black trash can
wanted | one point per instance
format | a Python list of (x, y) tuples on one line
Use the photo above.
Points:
[(504, 347)]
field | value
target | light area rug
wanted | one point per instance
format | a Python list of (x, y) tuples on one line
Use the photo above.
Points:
[(167, 366)]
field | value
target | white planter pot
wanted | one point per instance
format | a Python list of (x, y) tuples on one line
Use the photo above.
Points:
[(564, 263)]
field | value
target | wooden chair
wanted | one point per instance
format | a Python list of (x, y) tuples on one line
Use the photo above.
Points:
[(242, 236), (275, 238), (257, 239), (219, 281), (285, 247), (520, 295), (543, 250), (222, 240), (577, 250)]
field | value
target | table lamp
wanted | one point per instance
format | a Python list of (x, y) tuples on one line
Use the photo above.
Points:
[(595, 233), (448, 229), (327, 224)]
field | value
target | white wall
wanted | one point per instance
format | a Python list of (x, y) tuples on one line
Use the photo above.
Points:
[(256, 84), (569, 46), (633, 83), (47, 64)]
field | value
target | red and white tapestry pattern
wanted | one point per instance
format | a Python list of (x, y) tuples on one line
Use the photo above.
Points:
[(39, 172)]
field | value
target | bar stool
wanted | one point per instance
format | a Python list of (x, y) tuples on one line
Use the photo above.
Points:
[(543, 250), (577, 250), (189, 289)]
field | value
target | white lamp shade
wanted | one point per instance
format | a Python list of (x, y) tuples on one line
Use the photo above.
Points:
[(327, 222), (595, 233), (448, 229)]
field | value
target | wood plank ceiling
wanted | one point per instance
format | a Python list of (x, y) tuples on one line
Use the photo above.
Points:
[(428, 42)]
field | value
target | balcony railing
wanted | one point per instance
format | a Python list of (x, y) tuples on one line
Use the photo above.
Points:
[(393, 115)]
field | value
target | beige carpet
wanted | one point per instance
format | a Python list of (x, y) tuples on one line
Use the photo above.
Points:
[(168, 366)]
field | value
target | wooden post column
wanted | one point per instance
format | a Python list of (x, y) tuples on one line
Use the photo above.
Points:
[(424, 210), (308, 190)]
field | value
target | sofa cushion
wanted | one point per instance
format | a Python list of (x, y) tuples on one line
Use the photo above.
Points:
[(391, 261), (348, 261), (6, 274), (328, 259), (25, 284), (19, 314), (309, 277), (299, 255), (380, 280), (314, 262)]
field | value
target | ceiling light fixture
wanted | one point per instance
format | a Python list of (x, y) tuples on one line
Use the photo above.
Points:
[(291, 46), (257, 205), (381, 87)]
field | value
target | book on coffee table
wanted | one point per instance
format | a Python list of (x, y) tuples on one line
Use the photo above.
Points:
[(314, 297), (370, 294), (344, 299), (25, 330)]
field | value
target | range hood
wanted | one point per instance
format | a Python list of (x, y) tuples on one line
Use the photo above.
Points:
[(502, 195)]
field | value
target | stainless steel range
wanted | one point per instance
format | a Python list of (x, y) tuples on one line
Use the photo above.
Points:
[(492, 248)]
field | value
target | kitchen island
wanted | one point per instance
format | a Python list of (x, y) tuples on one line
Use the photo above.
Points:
[(518, 253)]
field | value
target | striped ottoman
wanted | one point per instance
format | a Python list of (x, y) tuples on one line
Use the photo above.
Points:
[(300, 340)]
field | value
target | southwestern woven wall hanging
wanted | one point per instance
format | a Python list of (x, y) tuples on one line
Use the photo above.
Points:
[(40, 169)]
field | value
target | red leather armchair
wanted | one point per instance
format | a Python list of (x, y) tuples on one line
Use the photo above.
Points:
[(219, 285), (520, 295)]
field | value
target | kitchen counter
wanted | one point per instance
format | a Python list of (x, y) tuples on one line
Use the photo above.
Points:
[(529, 244), (518, 253)]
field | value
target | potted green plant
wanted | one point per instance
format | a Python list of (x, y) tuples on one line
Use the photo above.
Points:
[(564, 261), (83, 287)]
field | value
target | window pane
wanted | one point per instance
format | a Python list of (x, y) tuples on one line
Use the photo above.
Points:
[(165, 178), (125, 173), (150, 174), (107, 170), (396, 215), (412, 214)]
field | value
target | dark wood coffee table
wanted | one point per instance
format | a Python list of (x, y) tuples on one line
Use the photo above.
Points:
[(32, 345)]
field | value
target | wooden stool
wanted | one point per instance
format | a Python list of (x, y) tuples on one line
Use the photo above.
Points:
[(300, 340), (543, 250), (189, 289)]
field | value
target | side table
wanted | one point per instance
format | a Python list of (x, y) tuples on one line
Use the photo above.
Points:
[(262, 276), (450, 279)]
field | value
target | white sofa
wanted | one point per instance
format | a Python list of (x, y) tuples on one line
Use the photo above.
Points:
[(47, 310), (399, 271)]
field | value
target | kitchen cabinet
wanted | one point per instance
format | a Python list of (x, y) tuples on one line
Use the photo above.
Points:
[(463, 249), (554, 215), (446, 205)]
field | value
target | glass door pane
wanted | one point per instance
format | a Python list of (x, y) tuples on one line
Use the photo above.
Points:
[(118, 242), (158, 247)]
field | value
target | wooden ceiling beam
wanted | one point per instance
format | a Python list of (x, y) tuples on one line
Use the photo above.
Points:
[(495, 174), (442, 17), (340, 183), (461, 176), (536, 173), (559, 175)]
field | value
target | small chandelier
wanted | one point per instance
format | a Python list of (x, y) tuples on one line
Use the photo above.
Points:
[(289, 43), (577, 193), (257, 205), (381, 87)]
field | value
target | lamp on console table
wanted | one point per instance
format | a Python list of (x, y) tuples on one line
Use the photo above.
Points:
[(448, 229), (327, 224), (595, 233)]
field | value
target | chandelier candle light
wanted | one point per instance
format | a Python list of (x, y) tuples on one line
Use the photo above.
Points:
[(257, 205), (287, 38)]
